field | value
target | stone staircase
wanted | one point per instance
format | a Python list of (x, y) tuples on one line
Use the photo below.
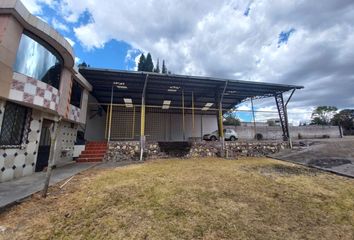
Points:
[(94, 152)]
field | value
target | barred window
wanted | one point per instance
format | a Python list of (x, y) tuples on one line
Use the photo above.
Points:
[(13, 124)]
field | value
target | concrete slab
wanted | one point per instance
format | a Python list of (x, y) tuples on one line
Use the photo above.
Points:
[(331, 155), (18, 189)]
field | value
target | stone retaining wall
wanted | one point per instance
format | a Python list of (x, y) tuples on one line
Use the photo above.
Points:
[(129, 150)]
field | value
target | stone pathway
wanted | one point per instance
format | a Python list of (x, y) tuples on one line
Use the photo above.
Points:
[(18, 189)]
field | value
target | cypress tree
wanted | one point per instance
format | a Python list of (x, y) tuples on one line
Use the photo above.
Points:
[(142, 62), (157, 68), (164, 69), (149, 65)]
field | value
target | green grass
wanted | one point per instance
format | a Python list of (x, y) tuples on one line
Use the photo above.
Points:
[(251, 198)]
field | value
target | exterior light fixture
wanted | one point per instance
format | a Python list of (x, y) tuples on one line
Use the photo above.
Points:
[(173, 89), (128, 102), (120, 85), (207, 106), (166, 104), (231, 92)]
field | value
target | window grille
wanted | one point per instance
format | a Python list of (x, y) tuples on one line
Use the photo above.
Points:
[(14, 125)]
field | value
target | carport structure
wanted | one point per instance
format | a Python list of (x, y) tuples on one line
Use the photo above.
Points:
[(129, 96)]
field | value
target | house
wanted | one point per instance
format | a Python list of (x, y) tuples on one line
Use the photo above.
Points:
[(39, 85)]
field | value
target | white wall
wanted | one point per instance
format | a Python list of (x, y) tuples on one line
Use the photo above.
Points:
[(275, 132), (95, 127)]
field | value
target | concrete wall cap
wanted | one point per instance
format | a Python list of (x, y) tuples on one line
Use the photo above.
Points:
[(39, 28), (82, 80)]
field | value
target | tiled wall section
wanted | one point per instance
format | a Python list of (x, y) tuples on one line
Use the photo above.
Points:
[(29, 90), (18, 162), (66, 140), (74, 113)]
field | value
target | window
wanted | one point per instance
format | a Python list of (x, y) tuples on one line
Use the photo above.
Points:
[(36, 59), (16, 117), (76, 93)]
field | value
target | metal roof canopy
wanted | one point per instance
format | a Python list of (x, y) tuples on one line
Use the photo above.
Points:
[(160, 87)]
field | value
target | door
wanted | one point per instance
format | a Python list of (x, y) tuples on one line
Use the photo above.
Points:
[(44, 146)]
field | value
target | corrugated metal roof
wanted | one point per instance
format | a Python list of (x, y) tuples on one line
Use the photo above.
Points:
[(162, 87)]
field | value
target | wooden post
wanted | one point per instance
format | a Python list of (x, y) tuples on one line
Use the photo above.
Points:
[(54, 129)]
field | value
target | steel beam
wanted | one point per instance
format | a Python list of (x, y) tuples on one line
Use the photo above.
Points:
[(283, 116)]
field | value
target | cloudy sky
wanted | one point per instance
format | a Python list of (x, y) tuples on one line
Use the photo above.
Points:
[(303, 42)]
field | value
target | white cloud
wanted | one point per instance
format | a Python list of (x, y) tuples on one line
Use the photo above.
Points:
[(77, 60), (71, 42), (59, 25), (215, 38), (35, 6), (132, 55)]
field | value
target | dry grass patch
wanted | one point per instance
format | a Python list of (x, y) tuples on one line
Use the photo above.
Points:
[(251, 198)]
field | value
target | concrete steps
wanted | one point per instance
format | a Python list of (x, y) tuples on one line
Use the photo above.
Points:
[(94, 152)]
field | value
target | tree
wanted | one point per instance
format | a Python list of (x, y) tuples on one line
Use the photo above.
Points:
[(322, 115), (345, 119), (83, 65), (164, 69), (231, 120), (141, 64), (157, 68), (149, 65)]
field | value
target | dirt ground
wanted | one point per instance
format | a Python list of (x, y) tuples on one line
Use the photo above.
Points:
[(249, 198), (335, 155)]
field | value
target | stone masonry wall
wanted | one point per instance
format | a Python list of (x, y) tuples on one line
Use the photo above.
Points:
[(129, 150)]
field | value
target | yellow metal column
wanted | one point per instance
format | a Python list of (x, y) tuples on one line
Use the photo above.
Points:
[(193, 124), (253, 118), (221, 125), (183, 118), (142, 120), (133, 128), (107, 118), (110, 117)]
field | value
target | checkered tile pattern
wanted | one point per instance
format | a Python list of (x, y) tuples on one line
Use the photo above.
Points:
[(29, 90), (74, 113)]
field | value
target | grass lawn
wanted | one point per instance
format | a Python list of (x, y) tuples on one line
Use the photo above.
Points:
[(250, 198)]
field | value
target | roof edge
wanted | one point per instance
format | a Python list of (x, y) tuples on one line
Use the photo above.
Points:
[(189, 77)]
